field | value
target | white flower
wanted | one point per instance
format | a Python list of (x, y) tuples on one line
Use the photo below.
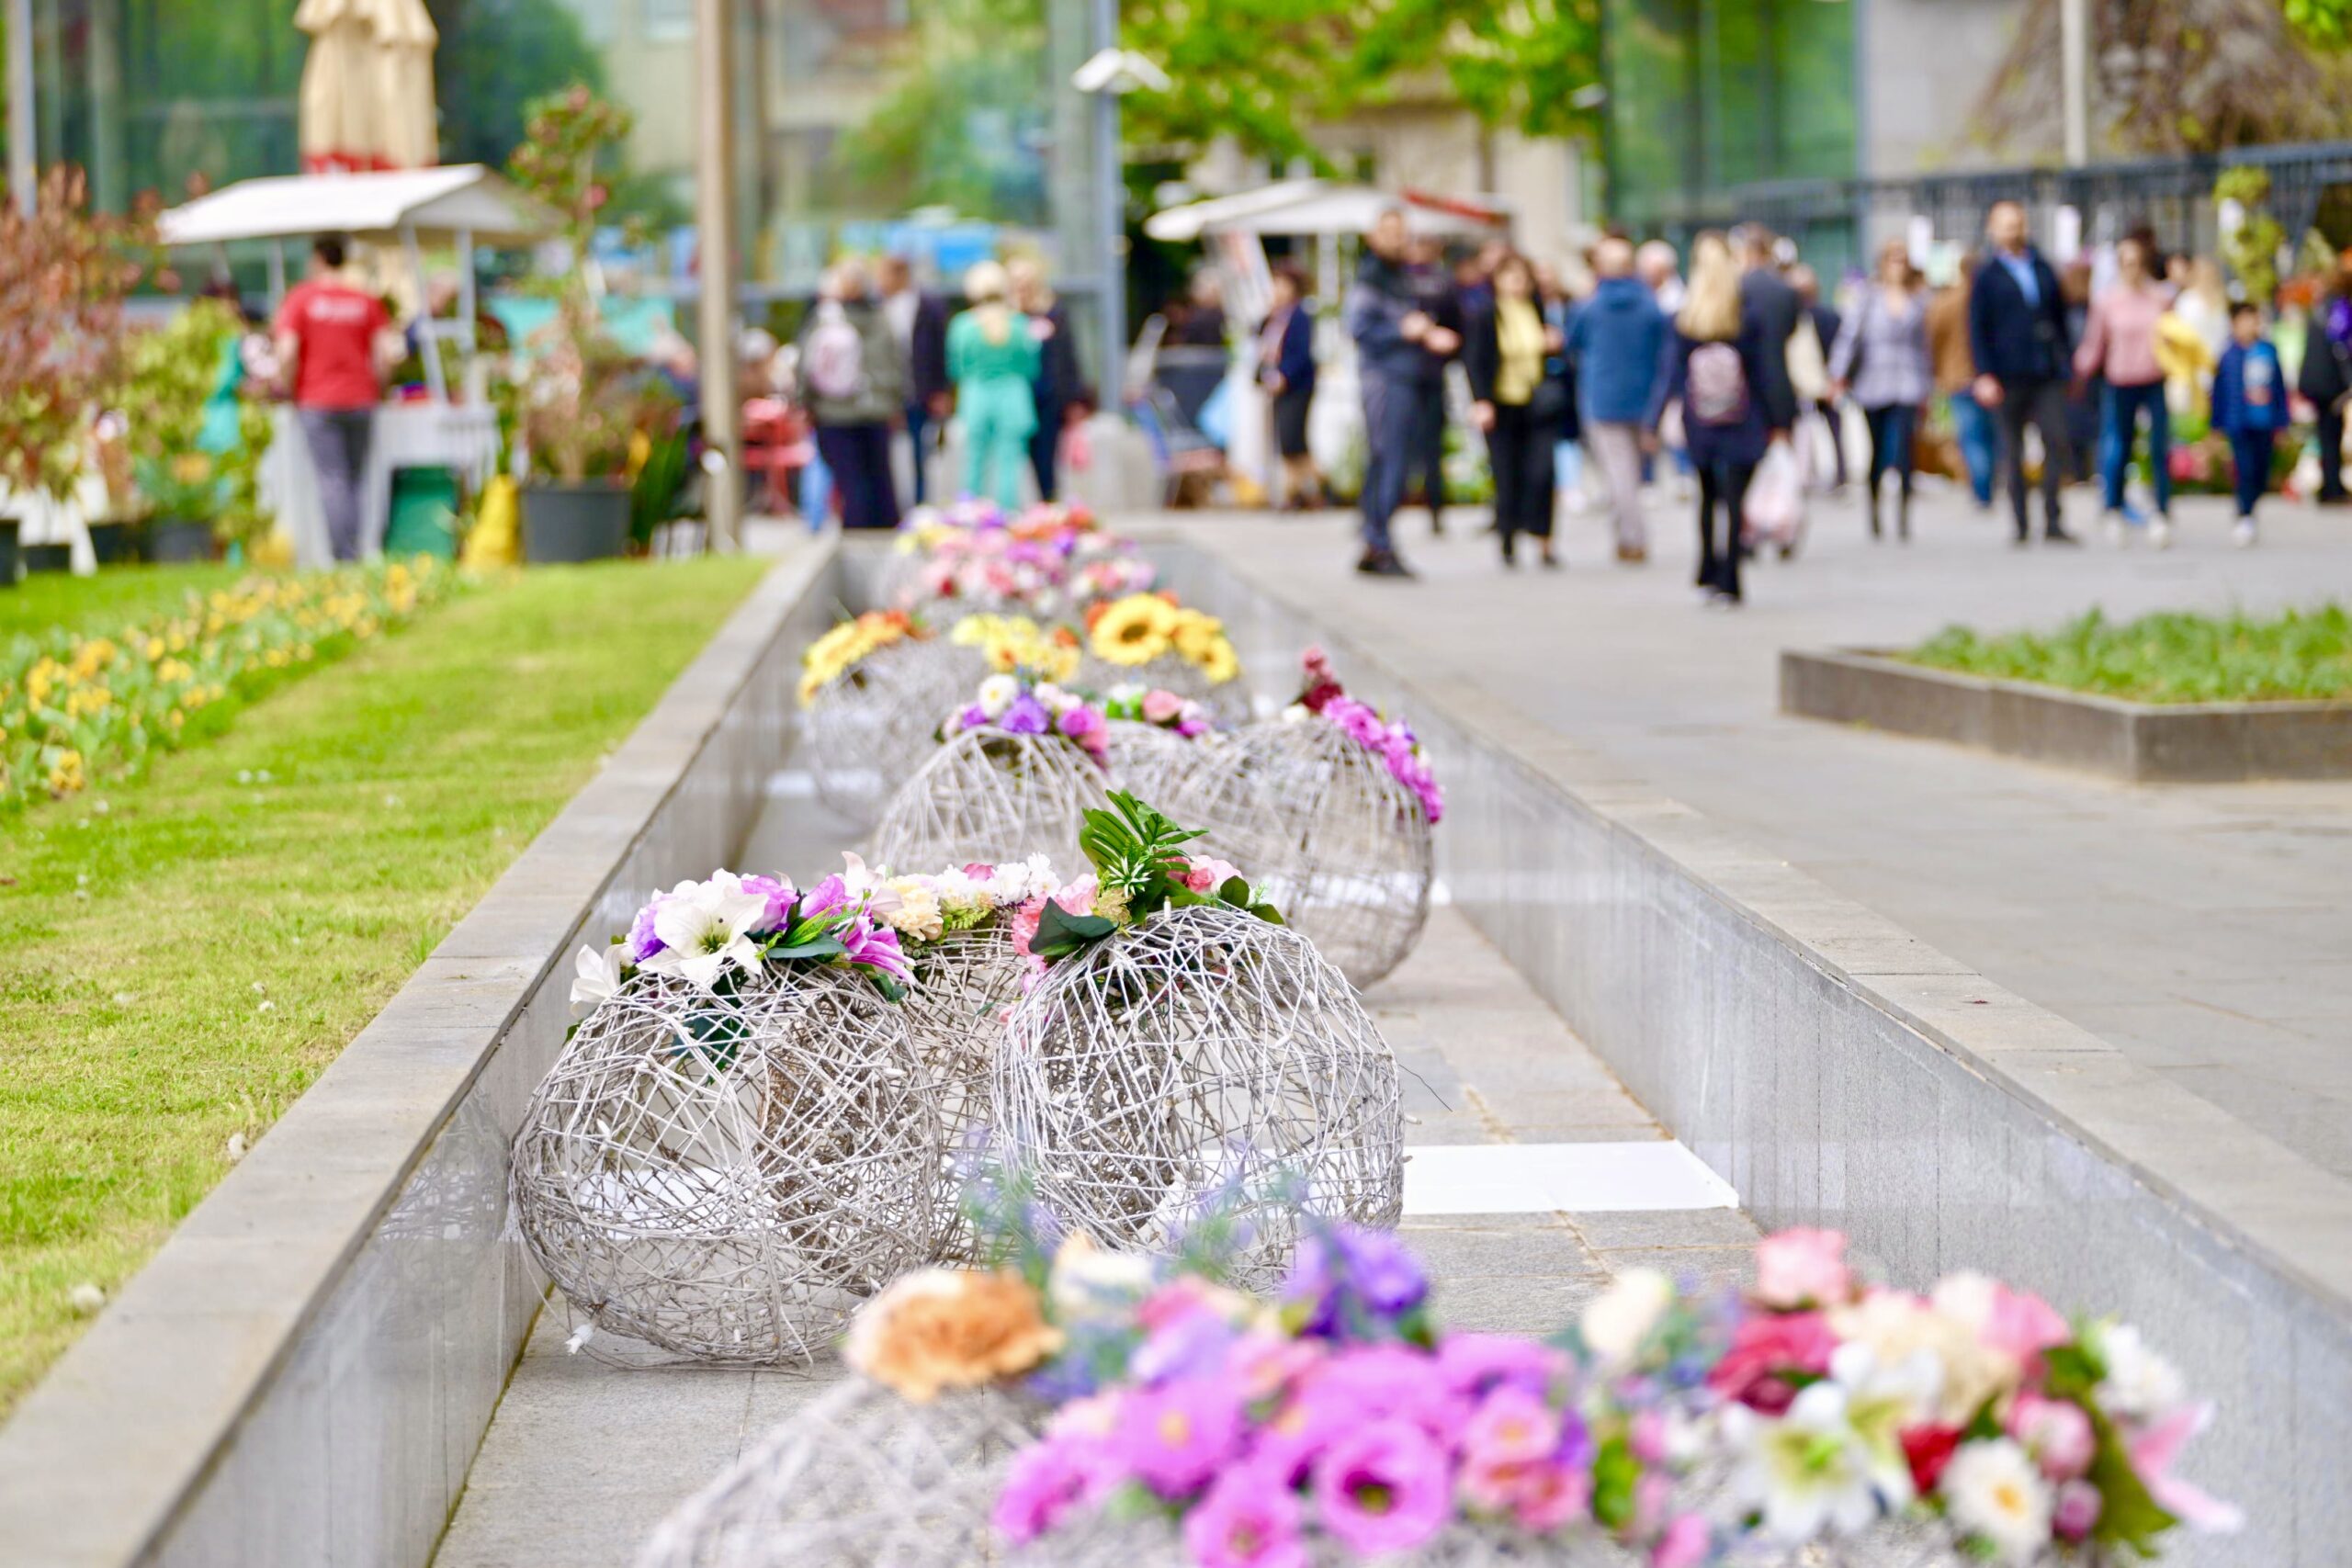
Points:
[(1298, 712), (1993, 1490), (955, 890), (1896, 1326), (1808, 1470), (1617, 1321), (1125, 691), (1058, 700), (913, 908), (997, 694), (2140, 1384), (1882, 1398), (1090, 1285), (704, 927), (597, 976)]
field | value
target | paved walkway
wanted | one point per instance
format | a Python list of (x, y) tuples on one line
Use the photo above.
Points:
[(583, 1458), (2205, 929)]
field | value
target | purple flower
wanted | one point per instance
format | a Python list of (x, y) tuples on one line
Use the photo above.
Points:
[(876, 947), (1027, 715), (1343, 1273), (1382, 1488), (1047, 1481), (779, 894), (1190, 1345), (828, 897), (1250, 1519), (1177, 1435), (1377, 1381), (1471, 1365), (1081, 722), (642, 943), (973, 718)]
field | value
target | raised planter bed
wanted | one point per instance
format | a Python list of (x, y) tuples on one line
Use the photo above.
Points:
[(2140, 742)]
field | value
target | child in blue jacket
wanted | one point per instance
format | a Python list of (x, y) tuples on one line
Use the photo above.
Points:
[(2250, 408)]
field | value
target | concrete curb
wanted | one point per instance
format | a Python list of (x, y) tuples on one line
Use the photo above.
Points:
[(2140, 742), (1839, 1071), (302, 1374)]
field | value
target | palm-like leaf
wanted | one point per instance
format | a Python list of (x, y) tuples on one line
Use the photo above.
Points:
[(1134, 848)]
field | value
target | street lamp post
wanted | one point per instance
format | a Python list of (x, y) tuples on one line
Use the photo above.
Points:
[(1109, 75), (23, 172), (2075, 66), (715, 303)]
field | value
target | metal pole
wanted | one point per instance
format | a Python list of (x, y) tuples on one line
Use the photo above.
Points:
[(2074, 64), (23, 169), (1109, 207), (715, 227)]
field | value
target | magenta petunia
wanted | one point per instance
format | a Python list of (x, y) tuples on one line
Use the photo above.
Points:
[(1382, 1488), (1511, 1425), (1248, 1519), (1047, 1481), (1175, 1436)]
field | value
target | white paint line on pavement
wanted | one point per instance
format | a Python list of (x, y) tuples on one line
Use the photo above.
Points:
[(1577, 1179)]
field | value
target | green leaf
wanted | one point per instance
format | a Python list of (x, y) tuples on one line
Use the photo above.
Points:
[(2129, 1515), (893, 991), (1061, 933), (1614, 1473), (814, 947)]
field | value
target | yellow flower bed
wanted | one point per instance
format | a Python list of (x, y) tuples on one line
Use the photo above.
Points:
[(73, 707), (1014, 643), (1141, 628)]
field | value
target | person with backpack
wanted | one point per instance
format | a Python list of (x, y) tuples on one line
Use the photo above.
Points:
[(993, 357), (853, 378), (1716, 368), (2250, 408), (1882, 360)]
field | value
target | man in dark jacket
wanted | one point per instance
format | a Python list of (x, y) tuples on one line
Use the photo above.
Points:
[(1766, 298), (1617, 344), (1060, 387), (1386, 318), (2326, 377), (1434, 287), (919, 321), (2017, 333)]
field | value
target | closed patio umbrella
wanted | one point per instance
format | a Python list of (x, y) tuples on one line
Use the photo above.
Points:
[(367, 99), (408, 134)]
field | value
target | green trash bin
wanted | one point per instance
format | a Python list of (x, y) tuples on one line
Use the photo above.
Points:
[(424, 518)]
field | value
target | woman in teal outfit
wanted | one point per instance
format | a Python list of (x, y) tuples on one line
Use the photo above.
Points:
[(993, 358)]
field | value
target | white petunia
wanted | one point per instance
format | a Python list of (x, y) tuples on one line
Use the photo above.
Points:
[(595, 976), (1992, 1489), (1058, 700), (997, 694), (705, 928)]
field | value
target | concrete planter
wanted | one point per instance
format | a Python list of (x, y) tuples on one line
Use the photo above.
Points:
[(2140, 742), (565, 524), (8, 564)]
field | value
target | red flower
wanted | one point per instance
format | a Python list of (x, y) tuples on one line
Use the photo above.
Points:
[(1928, 1450), (1768, 1354)]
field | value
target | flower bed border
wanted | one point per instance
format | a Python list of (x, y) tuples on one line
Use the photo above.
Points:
[(2139, 742)]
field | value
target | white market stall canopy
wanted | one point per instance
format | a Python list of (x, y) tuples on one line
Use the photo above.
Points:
[(1321, 208), (459, 198)]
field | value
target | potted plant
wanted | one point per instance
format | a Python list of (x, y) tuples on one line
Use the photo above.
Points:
[(196, 443), (582, 400), (64, 272)]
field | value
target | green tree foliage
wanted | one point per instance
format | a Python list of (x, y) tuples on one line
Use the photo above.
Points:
[(495, 57), (2327, 23), (959, 123)]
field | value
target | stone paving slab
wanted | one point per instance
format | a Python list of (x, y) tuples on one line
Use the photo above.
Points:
[(583, 1459)]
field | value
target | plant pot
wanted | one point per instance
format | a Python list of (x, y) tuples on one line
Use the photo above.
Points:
[(8, 564), (114, 543), (564, 525), (47, 557), (175, 541)]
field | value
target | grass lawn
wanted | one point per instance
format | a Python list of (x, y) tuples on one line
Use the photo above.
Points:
[(2171, 657), (115, 597), (187, 949)]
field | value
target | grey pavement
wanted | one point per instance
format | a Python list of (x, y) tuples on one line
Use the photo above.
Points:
[(2205, 929), (584, 1458)]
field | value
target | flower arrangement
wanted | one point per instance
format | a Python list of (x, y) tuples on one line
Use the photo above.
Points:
[(1394, 741), (1161, 709), (1011, 643), (1045, 559), (714, 932), (1975, 1407), (73, 708), (1019, 704), (837, 652), (1133, 630), (1139, 869)]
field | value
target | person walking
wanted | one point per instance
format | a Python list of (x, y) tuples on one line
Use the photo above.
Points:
[(2017, 335), (1059, 386), (1616, 341), (2250, 408), (1435, 290), (1385, 320), (1769, 297), (1971, 424), (1882, 359), (334, 343), (992, 357), (2326, 377), (1507, 352), (2119, 347), (1568, 447), (1286, 370), (918, 321), (1827, 326), (1714, 365), (854, 379)]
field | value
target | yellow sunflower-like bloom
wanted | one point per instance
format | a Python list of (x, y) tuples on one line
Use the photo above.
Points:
[(1133, 630)]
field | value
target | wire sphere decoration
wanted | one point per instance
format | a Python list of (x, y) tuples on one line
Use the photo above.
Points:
[(860, 1478), (1229, 700), (726, 1178), (1106, 1540), (965, 983), (1201, 1062), (1148, 760), (1330, 836), (986, 794), (870, 728)]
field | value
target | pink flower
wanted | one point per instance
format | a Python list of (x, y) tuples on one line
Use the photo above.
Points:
[(1552, 1494), (1159, 706), (2077, 1510), (1382, 1488), (1471, 1364), (876, 947), (1177, 1435), (2152, 1452), (2018, 1323), (1684, 1544), (1265, 1363), (1248, 1519), (2056, 1432), (1764, 1351), (779, 894), (1081, 722), (1511, 1425), (1208, 875), (1803, 1268), (1047, 1481)]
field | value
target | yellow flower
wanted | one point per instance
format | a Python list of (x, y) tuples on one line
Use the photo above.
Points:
[(943, 1328), (154, 649), (1133, 630), (1221, 663)]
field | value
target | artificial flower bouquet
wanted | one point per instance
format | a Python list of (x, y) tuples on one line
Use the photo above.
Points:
[(1139, 629), (1971, 1425), (1018, 704), (1132, 703), (1156, 735), (1009, 644), (1392, 741), (840, 651)]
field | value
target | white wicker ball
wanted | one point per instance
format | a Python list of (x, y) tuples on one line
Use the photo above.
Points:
[(726, 1178), (867, 732), (1108, 1539), (988, 795), (859, 1479), (1202, 1057), (1326, 832), (1229, 700), (965, 983), (1148, 760)]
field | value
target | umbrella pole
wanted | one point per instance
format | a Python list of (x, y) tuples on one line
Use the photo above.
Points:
[(428, 338), (24, 177), (276, 274), (467, 302)]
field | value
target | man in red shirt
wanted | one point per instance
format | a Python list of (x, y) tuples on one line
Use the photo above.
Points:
[(335, 342)]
